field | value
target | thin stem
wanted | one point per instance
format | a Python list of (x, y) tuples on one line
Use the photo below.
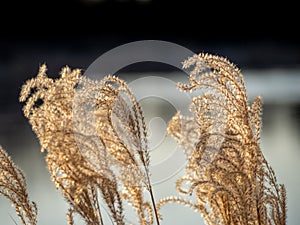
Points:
[(152, 200), (13, 219), (99, 213)]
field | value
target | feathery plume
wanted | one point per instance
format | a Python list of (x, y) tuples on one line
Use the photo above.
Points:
[(226, 170), (48, 106), (13, 187)]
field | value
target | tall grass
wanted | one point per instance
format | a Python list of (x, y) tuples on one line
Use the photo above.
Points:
[(96, 141)]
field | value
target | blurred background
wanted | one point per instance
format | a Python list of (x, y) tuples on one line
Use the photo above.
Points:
[(261, 40)]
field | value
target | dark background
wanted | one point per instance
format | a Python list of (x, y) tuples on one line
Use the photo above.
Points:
[(268, 33), (251, 34), (75, 33), (151, 19)]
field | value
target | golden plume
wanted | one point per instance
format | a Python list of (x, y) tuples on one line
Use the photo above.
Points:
[(13, 187), (232, 181)]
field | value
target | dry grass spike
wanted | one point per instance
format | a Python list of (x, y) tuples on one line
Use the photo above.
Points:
[(96, 144)]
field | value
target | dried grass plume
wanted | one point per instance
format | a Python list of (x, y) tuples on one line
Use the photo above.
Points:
[(226, 171), (96, 142)]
